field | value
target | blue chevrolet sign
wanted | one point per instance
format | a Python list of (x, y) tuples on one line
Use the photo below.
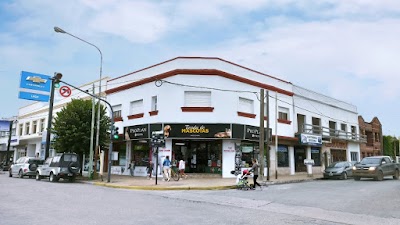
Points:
[(33, 96), (35, 81)]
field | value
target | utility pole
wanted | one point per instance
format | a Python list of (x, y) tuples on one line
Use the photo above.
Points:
[(9, 142), (91, 138), (261, 144), (268, 137), (276, 135)]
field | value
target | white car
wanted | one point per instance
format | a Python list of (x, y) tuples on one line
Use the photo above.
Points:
[(65, 166), (25, 166)]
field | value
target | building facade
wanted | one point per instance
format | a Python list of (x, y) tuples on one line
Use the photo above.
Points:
[(6, 139), (209, 112), (374, 139)]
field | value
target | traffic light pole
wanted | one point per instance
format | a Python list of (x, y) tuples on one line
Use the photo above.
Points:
[(111, 126), (49, 118)]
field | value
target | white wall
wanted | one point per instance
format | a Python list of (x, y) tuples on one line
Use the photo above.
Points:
[(228, 158)]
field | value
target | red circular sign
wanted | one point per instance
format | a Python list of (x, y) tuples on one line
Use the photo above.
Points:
[(65, 91)]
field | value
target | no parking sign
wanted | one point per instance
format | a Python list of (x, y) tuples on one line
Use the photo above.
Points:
[(65, 91)]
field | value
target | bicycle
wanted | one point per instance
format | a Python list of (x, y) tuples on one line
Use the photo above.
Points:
[(175, 173)]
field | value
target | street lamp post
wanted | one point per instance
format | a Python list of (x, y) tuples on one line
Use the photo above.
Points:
[(59, 30)]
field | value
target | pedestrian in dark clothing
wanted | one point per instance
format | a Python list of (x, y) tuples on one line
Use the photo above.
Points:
[(149, 170), (254, 169)]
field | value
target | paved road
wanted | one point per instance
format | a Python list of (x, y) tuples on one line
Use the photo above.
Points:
[(26, 201)]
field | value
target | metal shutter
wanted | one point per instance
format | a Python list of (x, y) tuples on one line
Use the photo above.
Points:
[(198, 98)]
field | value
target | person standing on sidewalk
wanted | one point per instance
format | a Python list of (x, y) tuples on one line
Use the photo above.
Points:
[(254, 169), (149, 170), (167, 168), (182, 169)]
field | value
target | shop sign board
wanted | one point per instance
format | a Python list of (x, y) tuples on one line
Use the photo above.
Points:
[(197, 130), (309, 139), (137, 132), (248, 132)]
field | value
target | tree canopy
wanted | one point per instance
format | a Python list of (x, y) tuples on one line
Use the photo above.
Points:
[(72, 124)]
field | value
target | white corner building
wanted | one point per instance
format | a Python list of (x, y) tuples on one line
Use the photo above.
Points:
[(209, 111)]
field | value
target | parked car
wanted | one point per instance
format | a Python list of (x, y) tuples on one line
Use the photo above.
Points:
[(376, 167), (341, 169), (25, 166), (64, 165)]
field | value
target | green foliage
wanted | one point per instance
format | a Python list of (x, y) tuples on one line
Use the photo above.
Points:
[(72, 126), (390, 146)]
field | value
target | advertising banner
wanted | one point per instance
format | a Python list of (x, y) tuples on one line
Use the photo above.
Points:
[(137, 132), (309, 139)]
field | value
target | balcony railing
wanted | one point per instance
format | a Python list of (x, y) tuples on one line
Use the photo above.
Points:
[(328, 133)]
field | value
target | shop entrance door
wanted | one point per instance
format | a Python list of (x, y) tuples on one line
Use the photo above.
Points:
[(199, 156), (299, 156)]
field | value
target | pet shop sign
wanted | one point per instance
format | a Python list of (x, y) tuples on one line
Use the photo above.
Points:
[(200, 130)]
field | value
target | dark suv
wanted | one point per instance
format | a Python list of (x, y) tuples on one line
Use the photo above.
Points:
[(64, 165)]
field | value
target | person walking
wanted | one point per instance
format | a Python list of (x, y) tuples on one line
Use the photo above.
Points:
[(131, 168), (182, 169), (167, 168), (254, 169)]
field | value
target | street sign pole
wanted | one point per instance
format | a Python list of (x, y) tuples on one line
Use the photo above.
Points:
[(9, 142), (49, 119), (157, 164)]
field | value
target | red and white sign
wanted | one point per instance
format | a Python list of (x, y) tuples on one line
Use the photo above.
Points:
[(65, 91)]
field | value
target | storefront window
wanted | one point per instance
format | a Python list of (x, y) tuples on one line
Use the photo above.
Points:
[(316, 156), (249, 152), (283, 156), (140, 153)]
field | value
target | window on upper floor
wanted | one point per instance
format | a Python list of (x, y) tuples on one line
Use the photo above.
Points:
[(136, 107), (283, 113), (42, 125), (34, 127), (27, 128), (154, 103), (197, 99), (21, 127), (343, 127), (377, 139), (246, 105), (332, 128), (353, 131), (316, 125), (117, 111)]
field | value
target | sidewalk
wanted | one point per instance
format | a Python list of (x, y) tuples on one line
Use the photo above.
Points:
[(142, 183)]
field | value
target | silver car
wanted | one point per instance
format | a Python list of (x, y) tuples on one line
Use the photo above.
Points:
[(341, 169), (25, 166)]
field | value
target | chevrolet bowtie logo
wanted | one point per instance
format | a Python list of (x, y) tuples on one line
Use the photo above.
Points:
[(36, 79)]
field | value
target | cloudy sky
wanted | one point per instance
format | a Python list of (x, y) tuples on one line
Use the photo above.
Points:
[(345, 49)]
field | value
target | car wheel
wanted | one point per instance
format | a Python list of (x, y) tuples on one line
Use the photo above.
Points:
[(73, 167), (344, 176), (357, 178), (396, 175), (52, 177), (38, 176), (379, 176), (20, 174)]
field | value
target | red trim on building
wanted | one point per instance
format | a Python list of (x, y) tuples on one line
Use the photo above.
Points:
[(195, 57), (153, 113), (205, 72), (286, 138), (248, 115), (118, 119), (265, 117), (197, 109), (284, 121), (135, 116)]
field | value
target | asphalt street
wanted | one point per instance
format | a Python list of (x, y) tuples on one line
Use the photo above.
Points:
[(26, 201)]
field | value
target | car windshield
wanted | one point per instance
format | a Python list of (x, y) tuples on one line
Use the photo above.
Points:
[(371, 161), (338, 164), (70, 158)]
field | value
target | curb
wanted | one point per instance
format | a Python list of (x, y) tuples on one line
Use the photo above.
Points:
[(163, 188), (185, 188)]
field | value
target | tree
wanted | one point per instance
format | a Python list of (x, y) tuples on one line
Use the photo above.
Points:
[(72, 125), (390, 146)]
